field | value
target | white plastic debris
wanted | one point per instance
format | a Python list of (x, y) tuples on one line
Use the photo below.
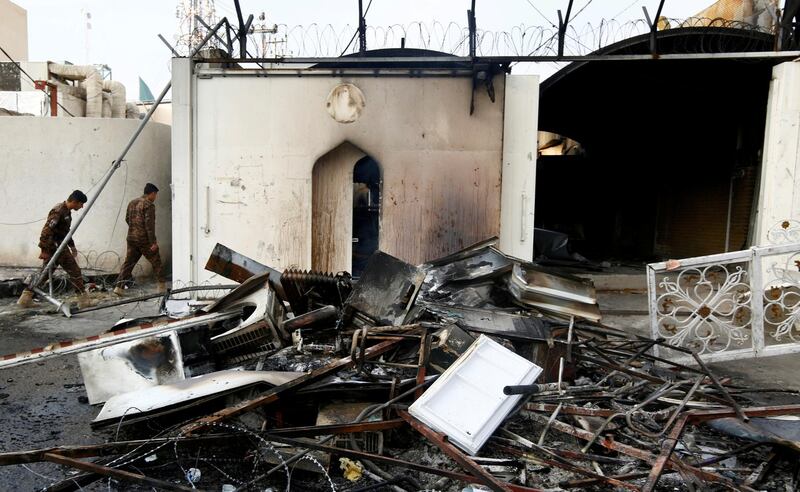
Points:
[(467, 402)]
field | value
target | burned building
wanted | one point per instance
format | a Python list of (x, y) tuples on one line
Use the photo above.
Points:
[(317, 166)]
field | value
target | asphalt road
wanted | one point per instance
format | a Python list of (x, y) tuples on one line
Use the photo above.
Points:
[(43, 404)]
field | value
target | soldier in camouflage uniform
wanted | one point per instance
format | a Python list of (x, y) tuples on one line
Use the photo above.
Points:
[(55, 229), (141, 219)]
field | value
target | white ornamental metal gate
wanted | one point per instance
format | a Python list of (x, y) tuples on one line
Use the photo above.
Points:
[(728, 306)]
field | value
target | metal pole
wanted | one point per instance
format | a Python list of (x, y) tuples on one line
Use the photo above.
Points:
[(471, 25), (728, 219), (362, 30), (114, 166), (61, 306), (174, 53)]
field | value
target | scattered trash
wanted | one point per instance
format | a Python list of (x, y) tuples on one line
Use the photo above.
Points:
[(351, 470), (193, 475), (476, 371)]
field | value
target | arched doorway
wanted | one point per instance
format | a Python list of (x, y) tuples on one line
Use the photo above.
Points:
[(346, 205)]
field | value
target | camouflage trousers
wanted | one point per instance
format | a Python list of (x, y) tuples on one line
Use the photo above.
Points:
[(70, 265), (134, 253)]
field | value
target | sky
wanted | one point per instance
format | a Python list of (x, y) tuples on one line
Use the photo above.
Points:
[(124, 33)]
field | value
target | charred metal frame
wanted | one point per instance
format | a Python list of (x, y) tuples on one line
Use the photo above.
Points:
[(399, 61), (109, 338), (697, 416), (276, 393), (440, 440), (465, 478)]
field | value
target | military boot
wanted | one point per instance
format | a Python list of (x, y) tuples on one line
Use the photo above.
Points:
[(85, 301), (119, 291), (26, 299)]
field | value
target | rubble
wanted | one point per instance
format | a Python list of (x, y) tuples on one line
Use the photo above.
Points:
[(471, 372)]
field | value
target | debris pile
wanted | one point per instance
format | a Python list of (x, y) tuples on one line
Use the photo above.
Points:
[(471, 372)]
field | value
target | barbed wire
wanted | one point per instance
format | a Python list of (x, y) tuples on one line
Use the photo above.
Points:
[(327, 40), (212, 292), (232, 464)]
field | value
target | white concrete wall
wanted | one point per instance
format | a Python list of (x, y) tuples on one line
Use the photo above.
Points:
[(14, 30), (244, 148), (779, 193), (43, 159)]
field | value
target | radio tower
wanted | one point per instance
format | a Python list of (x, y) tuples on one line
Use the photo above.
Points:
[(190, 32)]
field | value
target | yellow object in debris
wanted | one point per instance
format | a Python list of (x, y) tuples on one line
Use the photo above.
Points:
[(26, 299), (352, 470)]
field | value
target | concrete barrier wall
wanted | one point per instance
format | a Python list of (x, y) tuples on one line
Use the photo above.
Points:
[(43, 159)]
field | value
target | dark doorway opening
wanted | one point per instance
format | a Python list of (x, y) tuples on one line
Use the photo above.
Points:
[(366, 211), (670, 149)]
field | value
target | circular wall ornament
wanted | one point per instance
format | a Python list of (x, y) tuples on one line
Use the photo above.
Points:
[(345, 103)]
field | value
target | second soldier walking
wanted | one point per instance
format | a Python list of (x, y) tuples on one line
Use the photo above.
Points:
[(141, 219)]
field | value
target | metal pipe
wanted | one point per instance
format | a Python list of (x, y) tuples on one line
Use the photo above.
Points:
[(153, 296), (175, 53), (60, 305), (114, 166), (736, 408), (362, 30), (50, 281), (530, 389), (111, 338), (730, 213), (549, 423)]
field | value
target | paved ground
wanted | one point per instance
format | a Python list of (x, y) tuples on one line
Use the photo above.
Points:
[(782, 371), (43, 404)]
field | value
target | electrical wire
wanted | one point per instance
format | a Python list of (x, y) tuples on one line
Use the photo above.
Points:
[(19, 67), (581, 10), (541, 14), (121, 203), (96, 182), (613, 17), (21, 223)]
